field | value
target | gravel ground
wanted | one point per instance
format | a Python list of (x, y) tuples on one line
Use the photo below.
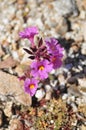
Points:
[(60, 104)]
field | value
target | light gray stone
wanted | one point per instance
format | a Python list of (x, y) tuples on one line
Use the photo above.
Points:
[(39, 94)]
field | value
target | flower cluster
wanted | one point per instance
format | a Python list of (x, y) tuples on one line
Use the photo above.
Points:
[(46, 55)]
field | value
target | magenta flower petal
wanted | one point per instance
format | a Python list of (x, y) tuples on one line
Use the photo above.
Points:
[(40, 69), (29, 33), (56, 61), (53, 46), (48, 65), (56, 52), (30, 86), (43, 75)]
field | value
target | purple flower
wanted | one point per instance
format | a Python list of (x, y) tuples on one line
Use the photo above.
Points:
[(55, 51), (54, 47), (40, 69), (29, 33), (30, 86), (56, 61)]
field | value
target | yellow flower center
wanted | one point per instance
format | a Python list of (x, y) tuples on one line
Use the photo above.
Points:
[(32, 86), (41, 67)]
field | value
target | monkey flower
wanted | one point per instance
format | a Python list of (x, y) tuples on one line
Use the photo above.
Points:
[(41, 69), (30, 86), (29, 33)]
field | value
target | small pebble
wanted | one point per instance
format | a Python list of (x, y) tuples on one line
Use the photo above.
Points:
[(15, 55), (65, 96), (40, 94)]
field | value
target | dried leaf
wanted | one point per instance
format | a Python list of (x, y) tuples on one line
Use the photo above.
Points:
[(40, 42), (34, 49), (42, 48), (28, 51), (31, 57)]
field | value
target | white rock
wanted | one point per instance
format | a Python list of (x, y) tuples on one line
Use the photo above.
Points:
[(40, 94), (70, 99), (61, 79), (15, 55), (8, 108), (82, 14), (83, 48), (51, 121), (5, 21), (52, 72), (74, 107), (74, 123), (48, 88), (9, 39), (53, 84), (3, 98), (78, 101), (65, 7), (1, 27), (65, 96), (84, 30), (48, 95), (39, 22)]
